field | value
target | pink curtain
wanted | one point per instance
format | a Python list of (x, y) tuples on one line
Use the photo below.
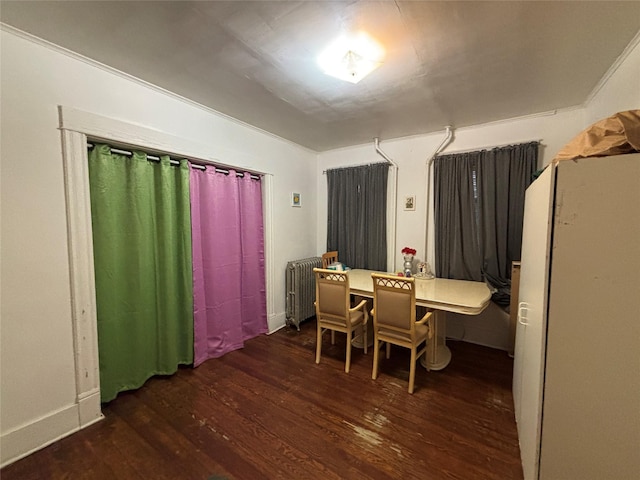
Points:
[(228, 262)]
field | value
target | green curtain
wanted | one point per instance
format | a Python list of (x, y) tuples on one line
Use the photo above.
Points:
[(142, 253)]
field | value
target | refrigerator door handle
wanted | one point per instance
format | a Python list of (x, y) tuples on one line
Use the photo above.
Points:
[(523, 308)]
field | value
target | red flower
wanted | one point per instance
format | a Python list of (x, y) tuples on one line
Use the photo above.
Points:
[(408, 251)]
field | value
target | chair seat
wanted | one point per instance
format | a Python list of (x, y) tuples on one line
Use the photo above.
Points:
[(356, 319), (421, 334)]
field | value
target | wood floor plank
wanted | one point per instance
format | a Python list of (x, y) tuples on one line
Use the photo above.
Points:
[(268, 412)]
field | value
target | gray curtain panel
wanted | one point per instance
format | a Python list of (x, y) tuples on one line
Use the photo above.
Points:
[(357, 215), (456, 224), (479, 201)]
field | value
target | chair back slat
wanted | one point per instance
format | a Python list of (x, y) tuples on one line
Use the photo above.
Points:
[(329, 258)]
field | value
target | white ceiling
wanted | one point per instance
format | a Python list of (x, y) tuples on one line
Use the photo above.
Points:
[(447, 63)]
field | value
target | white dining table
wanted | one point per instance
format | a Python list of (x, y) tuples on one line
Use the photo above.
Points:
[(440, 294)]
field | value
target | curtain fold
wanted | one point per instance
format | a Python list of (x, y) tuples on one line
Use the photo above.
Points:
[(479, 210), (357, 215), (456, 227), (142, 258), (228, 262), (504, 174)]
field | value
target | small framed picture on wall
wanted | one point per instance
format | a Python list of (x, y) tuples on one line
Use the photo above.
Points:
[(296, 200), (410, 202)]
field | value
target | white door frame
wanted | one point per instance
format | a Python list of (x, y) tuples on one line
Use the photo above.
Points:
[(76, 126)]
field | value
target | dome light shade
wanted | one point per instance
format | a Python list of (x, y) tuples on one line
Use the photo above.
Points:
[(351, 58)]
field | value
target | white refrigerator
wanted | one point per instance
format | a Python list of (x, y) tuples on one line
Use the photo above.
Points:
[(576, 381)]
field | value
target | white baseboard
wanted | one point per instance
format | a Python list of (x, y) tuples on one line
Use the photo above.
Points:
[(276, 321), (24, 440), (89, 409)]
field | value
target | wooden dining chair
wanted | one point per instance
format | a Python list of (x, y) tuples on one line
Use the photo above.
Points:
[(329, 258), (394, 320), (334, 313)]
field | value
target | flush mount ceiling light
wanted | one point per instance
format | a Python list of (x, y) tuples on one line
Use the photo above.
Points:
[(351, 58)]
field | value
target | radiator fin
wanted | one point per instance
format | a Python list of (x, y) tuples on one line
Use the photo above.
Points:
[(301, 290)]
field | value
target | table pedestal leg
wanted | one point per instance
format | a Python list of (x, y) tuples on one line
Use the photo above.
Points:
[(438, 354), (358, 341)]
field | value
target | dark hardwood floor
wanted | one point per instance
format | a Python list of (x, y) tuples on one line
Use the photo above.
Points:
[(268, 411)]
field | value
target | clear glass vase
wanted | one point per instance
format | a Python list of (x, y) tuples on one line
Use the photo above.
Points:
[(408, 265)]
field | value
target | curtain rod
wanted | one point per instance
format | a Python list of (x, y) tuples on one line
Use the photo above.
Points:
[(449, 153), (358, 165), (483, 149), (197, 166)]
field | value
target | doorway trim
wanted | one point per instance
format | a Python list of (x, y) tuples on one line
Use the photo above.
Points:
[(76, 127)]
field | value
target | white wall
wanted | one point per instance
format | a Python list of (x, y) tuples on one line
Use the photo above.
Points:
[(37, 363), (37, 357), (619, 90)]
